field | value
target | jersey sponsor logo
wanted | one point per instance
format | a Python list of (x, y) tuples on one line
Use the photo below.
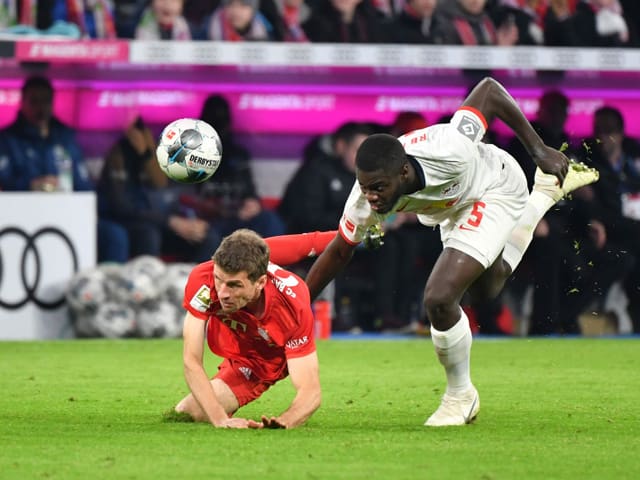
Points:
[(246, 371), (283, 284), (232, 323), (419, 138), (469, 127), (297, 342), (451, 189), (202, 299), (465, 227)]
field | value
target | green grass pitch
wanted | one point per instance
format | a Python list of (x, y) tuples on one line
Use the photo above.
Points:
[(551, 409)]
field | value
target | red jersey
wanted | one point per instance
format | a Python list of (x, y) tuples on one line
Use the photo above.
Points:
[(285, 329)]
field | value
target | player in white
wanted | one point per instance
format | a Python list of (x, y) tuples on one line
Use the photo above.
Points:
[(477, 194)]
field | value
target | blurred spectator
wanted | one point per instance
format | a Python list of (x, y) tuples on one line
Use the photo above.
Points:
[(600, 23), (466, 22), (93, 17), (128, 195), (415, 23), (617, 193), (163, 20), (550, 121), (197, 12), (569, 261), (527, 15), (287, 17), (315, 196), (631, 9), (345, 21), (586, 23), (314, 199), (239, 20), (40, 153), (230, 200), (409, 250), (406, 122), (127, 15), (558, 24), (81, 18)]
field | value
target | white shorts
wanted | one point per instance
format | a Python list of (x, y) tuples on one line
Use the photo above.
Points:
[(482, 229)]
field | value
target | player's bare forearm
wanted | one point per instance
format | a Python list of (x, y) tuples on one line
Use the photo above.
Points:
[(193, 333), (305, 403), (491, 99), (304, 373), (336, 256), (202, 391)]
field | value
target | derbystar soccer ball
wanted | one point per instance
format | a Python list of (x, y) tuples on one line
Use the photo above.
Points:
[(189, 150)]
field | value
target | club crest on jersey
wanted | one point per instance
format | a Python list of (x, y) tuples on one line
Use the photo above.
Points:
[(202, 299), (469, 127)]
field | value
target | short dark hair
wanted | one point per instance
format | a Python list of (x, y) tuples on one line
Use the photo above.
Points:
[(243, 251), (216, 111), (37, 81), (607, 120), (554, 98), (348, 131), (381, 151)]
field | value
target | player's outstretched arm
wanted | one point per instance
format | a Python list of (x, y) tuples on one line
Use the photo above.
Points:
[(304, 373), (492, 100), (196, 376), (336, 256), (288, 249)]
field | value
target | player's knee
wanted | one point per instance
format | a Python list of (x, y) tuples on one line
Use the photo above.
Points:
[(440, 304)]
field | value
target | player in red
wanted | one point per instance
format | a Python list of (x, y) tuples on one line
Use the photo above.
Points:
[(257, 317)]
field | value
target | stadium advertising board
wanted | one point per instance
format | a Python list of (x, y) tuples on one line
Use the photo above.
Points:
[(44, 239)]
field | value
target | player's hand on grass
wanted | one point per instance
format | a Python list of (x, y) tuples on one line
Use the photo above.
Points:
[(235, 423), (267, 422)]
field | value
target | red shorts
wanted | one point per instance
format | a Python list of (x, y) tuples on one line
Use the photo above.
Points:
[(242, 381)]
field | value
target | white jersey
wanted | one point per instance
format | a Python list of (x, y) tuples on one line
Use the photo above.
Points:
[(457, 169)]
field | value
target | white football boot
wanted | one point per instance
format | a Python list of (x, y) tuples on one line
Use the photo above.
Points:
[(458, 410), (578, 176)]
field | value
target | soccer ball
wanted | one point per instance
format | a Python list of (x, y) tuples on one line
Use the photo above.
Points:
[(189, 150), (139, 281), (159, 319), (86, 291), (113, 320), (174, 281)]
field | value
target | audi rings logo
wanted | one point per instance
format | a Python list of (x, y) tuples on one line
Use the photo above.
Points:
[(37, 257)]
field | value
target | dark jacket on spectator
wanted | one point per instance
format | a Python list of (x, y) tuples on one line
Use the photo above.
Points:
[(325, 24), (408, 28), (457, 27), (315, 196)]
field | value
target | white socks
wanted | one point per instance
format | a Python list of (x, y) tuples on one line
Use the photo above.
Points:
[(453, 348), (522, 234)]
